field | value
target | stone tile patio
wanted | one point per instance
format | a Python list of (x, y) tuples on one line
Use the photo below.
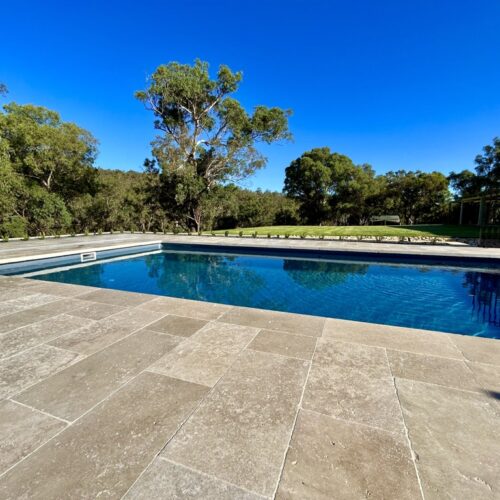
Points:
[(115, 394)]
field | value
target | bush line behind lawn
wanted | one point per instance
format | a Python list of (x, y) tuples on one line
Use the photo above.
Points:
[(415, 231)]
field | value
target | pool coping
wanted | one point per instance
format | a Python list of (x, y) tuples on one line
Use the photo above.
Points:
[(326, 247), (13, 260)]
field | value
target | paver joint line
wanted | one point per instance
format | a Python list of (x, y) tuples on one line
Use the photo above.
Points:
[(202, 400), (407, 433), (299, 407)]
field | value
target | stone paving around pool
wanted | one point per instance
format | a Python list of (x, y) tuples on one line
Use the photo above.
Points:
[(123, 395)]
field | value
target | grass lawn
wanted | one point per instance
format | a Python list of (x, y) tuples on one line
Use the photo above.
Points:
[(431, 230)]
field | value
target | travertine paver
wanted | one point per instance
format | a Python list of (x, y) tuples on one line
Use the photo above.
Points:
[(240, 432), (73, 391), (207, 354), (353, 382), (329, 458), (164, 479), (116, 297), (25, 302), (95, 310), (478, 349), (22, 430), (295, 346), (99, 334), (229, 440), (183, 307), (432, 369), (31, 366), (455, 436), (37, 333), (34, 314), (178, 325), (60, 289), (311, 326), (102, 454), (488, 377), (13, 293), (392, 337)]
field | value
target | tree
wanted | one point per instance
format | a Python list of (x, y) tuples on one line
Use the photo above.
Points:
[(488, 165), (330, 187), (207, 137), (417, 196), (56, 155), (465, 183), (44, 164), (308, 180)]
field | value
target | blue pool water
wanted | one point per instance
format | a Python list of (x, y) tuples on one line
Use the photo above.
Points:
[(419, 296)]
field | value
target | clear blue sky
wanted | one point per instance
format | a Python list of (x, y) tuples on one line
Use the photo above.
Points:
[(396, 84)]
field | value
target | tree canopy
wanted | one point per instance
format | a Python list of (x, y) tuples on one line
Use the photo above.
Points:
[(206, 143), (207, 138), (332, 189)]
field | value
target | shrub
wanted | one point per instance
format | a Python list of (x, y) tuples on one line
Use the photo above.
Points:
[(278, 236), (287, 235), (379, 238), (15, 227), (226, 233), (359, 238), (240, 234), (5, 238), (254, 234), (321, 236), (25, 237), (269, 235), (303, 235)]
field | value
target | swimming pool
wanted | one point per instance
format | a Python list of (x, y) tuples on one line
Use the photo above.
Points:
[(419, 295)]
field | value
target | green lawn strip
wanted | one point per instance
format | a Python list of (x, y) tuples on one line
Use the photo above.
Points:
[(423, 231)]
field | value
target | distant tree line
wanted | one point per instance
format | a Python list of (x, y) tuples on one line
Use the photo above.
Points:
[(206, 144)]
